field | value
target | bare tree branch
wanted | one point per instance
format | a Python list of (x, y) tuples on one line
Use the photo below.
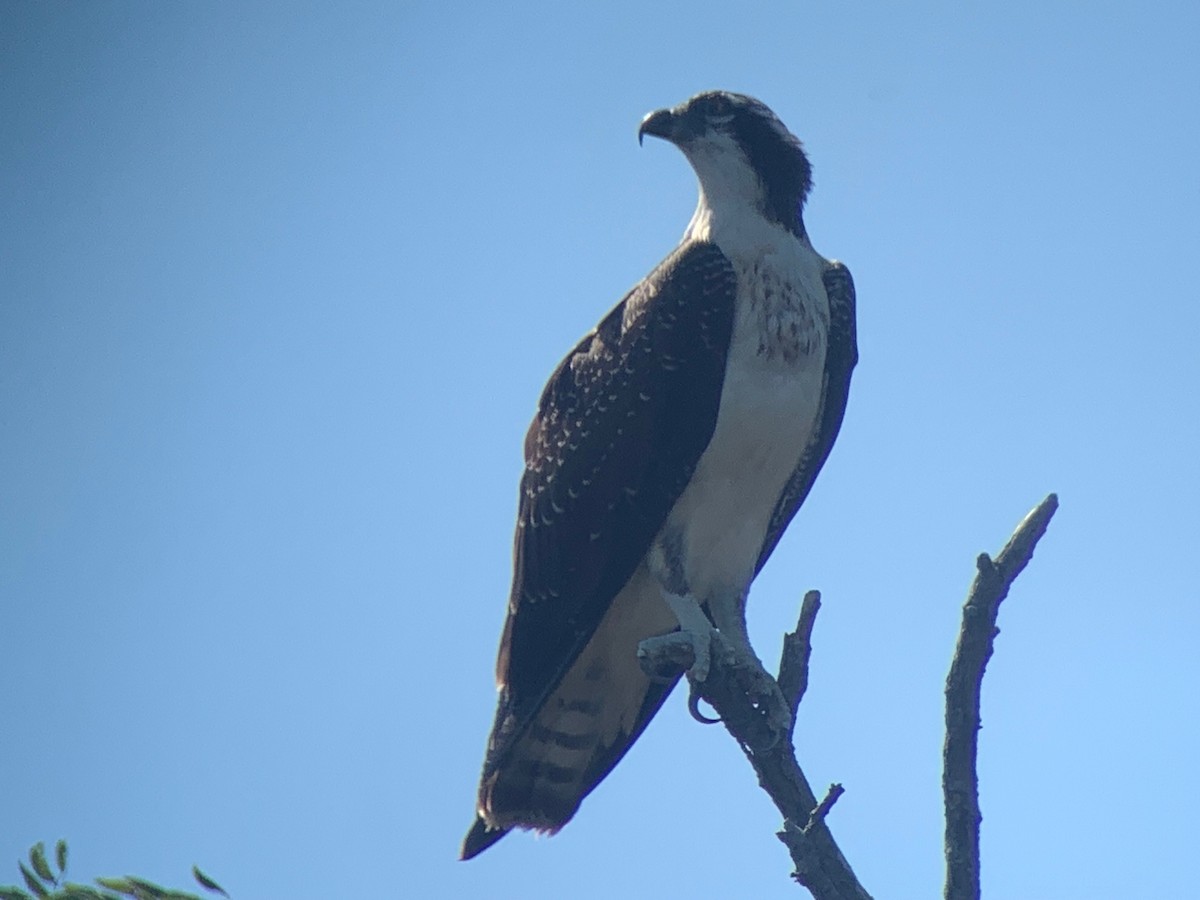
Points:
[(819, 864), (797, 648), (960, 781), (749, 710), (823, 808)]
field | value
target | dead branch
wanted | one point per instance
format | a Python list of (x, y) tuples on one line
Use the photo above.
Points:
[(960, 781), (819, 864), (749, 715)]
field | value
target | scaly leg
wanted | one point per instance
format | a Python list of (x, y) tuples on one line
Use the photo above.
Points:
[(689, 647), (692, 648)]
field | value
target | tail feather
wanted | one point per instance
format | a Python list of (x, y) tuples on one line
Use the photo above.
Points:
[(536, 816), (539, 767), (479, 838)]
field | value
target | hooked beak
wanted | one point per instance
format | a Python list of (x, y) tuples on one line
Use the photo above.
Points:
[(663, 123)]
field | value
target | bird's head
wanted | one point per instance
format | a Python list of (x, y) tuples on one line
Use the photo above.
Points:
[(741, 153)]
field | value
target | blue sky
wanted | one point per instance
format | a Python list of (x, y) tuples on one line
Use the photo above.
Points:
[(280, 284)]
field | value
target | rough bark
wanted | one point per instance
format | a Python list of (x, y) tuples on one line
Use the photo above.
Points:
[(819, 864), (960, 781)]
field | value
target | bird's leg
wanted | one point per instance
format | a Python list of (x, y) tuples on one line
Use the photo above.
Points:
[(693, 647), (689, 648)]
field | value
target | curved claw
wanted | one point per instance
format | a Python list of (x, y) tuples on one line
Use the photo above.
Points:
[(694, 708)]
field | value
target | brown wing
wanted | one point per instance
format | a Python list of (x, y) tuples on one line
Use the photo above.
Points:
[(619, 429)]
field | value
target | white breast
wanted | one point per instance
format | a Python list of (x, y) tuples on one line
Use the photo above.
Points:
[(768, 410)]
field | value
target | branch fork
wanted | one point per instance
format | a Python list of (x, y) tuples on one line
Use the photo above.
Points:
[(743, 702)]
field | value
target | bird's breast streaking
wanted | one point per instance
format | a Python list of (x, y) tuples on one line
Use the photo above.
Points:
[(770, 401)]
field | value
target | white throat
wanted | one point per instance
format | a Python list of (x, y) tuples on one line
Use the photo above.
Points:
[(730, 190)]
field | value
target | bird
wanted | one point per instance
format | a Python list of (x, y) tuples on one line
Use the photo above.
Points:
[(670, 449)]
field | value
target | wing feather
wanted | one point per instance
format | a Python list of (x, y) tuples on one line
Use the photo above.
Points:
[(619, 429)]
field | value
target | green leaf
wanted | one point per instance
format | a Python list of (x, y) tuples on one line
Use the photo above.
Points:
[(60, 856), (37, 858), (207, 883), (32, 883), (147, 889), (123, 885), (71, 891), (12, 893)]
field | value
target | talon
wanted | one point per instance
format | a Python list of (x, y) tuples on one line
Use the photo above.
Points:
[(694, 708), (665, 657)]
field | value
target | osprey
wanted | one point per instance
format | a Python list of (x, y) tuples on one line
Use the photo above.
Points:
[(670, 450)]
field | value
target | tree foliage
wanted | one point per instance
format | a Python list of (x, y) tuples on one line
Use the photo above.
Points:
[(46, 882)]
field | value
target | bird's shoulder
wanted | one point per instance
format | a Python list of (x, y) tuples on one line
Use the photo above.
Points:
[(674, 313)]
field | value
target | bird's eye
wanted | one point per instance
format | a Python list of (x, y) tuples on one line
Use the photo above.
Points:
[(719, 105)]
